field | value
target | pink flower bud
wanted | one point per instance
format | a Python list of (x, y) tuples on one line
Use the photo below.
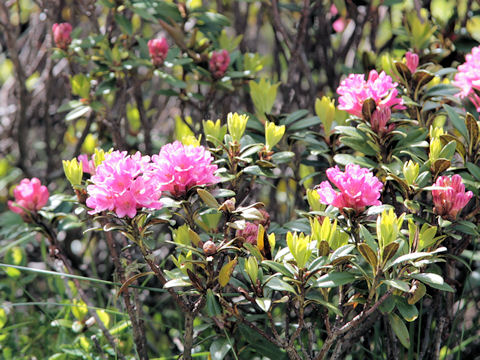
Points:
[(412, 61), (158, 49), (451, 198), (29, 194), (219, 62), (379, 120), (249, 233), (61, 35), (339, 24), (358, 188)]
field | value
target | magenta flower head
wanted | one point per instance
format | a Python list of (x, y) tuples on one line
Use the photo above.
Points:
[(468, 77), (30, 195), (412, 61), (219, 62), (61, 35), (354, 90), (452, 198), (180, 167), (379, 120), (88, 165), (249, 233), (358, 188), (124, 184), (158, 49)]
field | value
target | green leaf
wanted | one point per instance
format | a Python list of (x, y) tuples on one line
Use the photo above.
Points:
[(433, 280), (219, 349), (400, 329), (77, 113), (277, 284), (458, 123), (124, 23), (80, 85), (264, 303), (3, 317), (304, 124), (176, 283), (407, 257), (334, 279), (398, 284), (408, 312), (208, 198), (282, 157), (213, 307), (319, 299), (275, 266)]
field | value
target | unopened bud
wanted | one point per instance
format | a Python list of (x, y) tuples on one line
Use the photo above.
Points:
[(209, 248)]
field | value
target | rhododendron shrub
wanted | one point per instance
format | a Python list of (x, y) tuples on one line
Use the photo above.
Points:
[(237, 216)]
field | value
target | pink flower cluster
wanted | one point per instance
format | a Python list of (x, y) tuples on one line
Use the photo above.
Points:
[(61, 35), (124, 183), (158, 49), (358, 188), (179, 167), (468, 77), (412, 61), (88, 164), (218, 63), (452, 198), (29, 194), (354, 90)]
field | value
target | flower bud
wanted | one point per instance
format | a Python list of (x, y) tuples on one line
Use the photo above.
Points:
[(214, 129), (412, 61), (218, 63), (249, 233), (158, 49), (325, 110), (410, 171), (450, 197), (236, 125), (73, 171), (61, 35), (209, 248), (273, 134), (379, 120), (30, 195), (299, 246), (88, 165)]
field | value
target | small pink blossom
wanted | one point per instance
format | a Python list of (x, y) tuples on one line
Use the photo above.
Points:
[(452, 198), (250, 232), (354, 90), (468, 77), (29, 194), (379, 121), (62, 35), (158, 49), (358, 188), (412, 61), (88, 165), (219, 62), (124, 184), (340, 24), (180, 167)]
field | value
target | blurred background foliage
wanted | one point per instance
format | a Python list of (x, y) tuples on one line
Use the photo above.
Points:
[(104, 92)]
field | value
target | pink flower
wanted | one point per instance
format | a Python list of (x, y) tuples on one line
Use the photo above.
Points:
[(124, 184), (180, 167), (249, 233), (339, 24), (29, 194), (61, 35), (88, 165), (358, 188), (158, 49), (468, 77), (452, 198), (219, 62), (412, 61), (379, 120), (354, 90)]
